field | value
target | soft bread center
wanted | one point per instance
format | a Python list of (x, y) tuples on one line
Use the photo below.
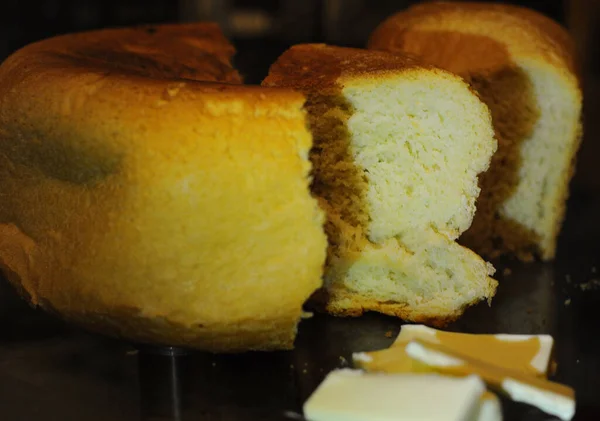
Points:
[(396, 166), (420, 148), (545, 156), (427, 270)]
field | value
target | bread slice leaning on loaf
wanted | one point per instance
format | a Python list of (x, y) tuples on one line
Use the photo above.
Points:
[(397, 150), (522, 65), (141, 202)]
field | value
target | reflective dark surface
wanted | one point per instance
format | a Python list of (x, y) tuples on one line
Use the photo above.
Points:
[(50, 371)]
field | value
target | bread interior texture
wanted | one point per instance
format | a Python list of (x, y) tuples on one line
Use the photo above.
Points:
[(396, 164), (537, 200), (536, 109)]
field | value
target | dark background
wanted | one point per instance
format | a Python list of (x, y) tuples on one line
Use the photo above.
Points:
[(23, 21)]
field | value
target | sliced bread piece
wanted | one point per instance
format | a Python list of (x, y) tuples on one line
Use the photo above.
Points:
[(397, 150), (521, 63)]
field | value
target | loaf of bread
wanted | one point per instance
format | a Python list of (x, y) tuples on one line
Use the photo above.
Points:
[(144, 198), (398, 147), (521, 64)]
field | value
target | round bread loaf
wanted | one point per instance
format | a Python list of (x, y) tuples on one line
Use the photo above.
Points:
[(142, 197)]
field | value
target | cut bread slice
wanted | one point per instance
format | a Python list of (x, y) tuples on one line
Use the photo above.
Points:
[(397, 150), (521, 63)]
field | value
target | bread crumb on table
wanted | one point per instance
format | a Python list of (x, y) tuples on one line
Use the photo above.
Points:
[(591, 284)]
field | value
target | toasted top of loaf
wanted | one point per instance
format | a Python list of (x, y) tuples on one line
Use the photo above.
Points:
[(196, 51), (137, 79), (322, 68), (142, 202), (524, 33)]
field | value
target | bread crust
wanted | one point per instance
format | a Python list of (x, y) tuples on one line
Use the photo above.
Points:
[(145, 199), (521, 35), (171, 51), (345, 303), (525, 32), (330, 67)]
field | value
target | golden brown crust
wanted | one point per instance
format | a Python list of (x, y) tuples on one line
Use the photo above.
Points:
[(525, 32), (342, 302), (322, 69), (143, 203), (183, 51)]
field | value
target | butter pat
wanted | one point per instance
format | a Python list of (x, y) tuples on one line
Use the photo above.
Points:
[(552, 398), (490, 408), (549, 401), (529, 354), (353, 395)]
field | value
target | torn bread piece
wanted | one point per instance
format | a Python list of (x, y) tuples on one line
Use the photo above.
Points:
[(398, 147)]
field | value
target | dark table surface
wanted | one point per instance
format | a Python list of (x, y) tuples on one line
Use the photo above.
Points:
[(51, 371)]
